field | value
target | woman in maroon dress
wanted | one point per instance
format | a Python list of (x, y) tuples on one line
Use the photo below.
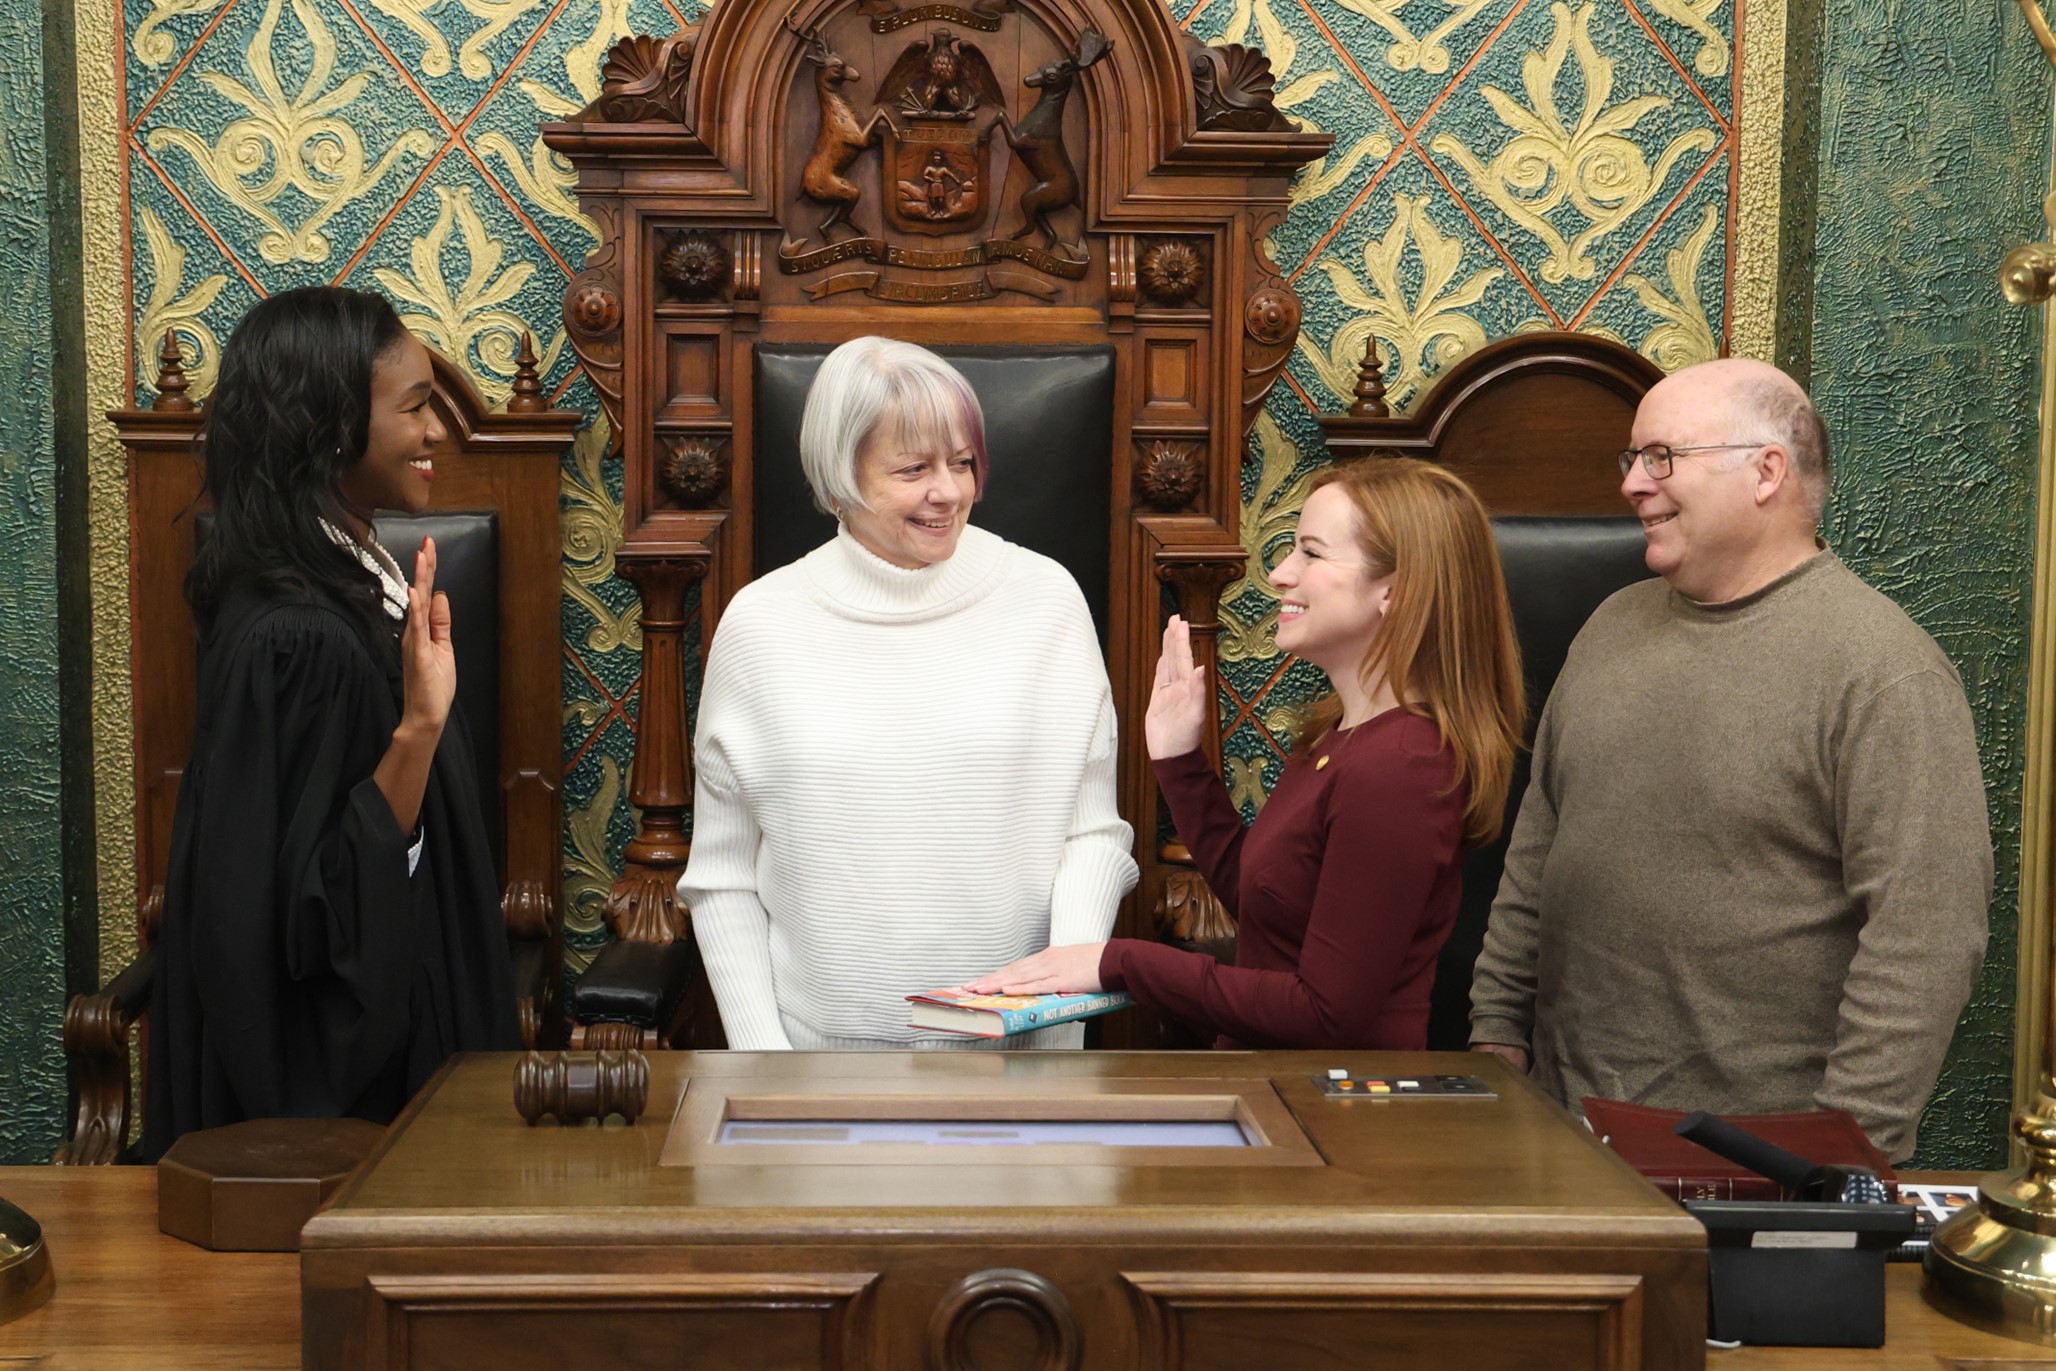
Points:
[(1346, 885)]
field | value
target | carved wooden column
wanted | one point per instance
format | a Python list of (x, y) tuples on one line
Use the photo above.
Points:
[(644, 905)]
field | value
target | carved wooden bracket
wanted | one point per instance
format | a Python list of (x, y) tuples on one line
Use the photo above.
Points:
[(1270, 321), (96, 1048), (747, 279), (644, 80), (529, 910), (1235, 89), (592, 310), (1188, 910), (1197, 584)]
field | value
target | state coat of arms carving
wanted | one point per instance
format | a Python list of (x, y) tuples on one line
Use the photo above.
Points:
[(935, 120), (940, 103)]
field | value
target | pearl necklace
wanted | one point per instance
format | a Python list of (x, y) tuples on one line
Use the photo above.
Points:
[(376, 560)]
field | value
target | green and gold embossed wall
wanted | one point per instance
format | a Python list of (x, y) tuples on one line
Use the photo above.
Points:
[(1611, 165), (1933, 157)]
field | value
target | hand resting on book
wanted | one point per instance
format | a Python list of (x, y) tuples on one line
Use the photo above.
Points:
[(1072, 970)]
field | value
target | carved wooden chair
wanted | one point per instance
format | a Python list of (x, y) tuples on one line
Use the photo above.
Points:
[(1533, 423), (1028, 185), (495, 523)]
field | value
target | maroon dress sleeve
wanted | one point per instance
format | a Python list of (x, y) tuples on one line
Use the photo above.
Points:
[(1387, 836), (1206, 820)]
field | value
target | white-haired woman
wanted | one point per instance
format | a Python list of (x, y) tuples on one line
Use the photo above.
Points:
[(905, 753)]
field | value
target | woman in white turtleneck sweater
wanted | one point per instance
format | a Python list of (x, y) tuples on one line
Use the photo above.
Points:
[(905, 753)]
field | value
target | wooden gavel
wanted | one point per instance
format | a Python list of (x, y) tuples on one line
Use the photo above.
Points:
[(575, 1086)]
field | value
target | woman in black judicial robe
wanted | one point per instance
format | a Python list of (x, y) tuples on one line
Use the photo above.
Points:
[(331, 922)]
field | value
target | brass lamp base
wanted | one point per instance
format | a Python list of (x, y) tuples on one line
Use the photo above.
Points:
[(1994, 1264), (25, 1280)]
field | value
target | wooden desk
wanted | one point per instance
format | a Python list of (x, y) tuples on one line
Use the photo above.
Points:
[(130, 1299), (1917, 1338), (1396, 1232)]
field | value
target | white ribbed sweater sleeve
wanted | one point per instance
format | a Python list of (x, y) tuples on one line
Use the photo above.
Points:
[(728, 919), (1096, 869)]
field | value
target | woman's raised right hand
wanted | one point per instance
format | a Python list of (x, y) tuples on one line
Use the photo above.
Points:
[(1178, 702), (428, 659)]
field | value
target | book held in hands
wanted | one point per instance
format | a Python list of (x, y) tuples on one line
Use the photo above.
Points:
[(957, 1010)]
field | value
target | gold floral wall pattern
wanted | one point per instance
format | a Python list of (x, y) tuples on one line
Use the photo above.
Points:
[(1498, 165)]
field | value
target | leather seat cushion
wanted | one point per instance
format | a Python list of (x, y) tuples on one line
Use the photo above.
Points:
[(636, 983)]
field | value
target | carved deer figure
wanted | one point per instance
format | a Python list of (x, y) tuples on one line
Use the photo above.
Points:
[(1038, 140), (841, 138)]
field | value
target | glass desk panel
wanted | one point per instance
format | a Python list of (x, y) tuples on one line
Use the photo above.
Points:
[(990, 1133)]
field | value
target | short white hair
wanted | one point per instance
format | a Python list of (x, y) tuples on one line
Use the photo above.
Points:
[(862, 384)]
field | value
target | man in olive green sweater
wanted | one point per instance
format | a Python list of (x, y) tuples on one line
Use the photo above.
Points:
[(1752, 867)]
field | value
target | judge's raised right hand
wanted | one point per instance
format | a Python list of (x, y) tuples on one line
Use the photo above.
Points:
[(1178, 702), (428, 660)]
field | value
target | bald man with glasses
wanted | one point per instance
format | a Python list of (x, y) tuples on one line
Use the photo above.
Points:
[(1752, 867)]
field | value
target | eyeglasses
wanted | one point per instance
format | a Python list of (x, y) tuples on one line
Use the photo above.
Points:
[(1656, 458)]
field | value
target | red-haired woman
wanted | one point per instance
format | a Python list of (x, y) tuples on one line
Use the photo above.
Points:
[(1346, 885)]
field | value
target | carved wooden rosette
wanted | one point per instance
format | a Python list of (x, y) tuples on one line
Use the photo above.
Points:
[(1064, 173), (695, 468), (1172, 272), (1169, 475), (694, 264)]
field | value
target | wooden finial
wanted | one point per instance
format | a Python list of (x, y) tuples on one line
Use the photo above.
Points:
[(1370, 385), (528, 382), (171, 377)]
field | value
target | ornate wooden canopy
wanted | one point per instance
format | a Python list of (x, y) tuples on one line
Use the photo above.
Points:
[(1063, 172)]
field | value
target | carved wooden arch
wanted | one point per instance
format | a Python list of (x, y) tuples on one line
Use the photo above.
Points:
[(738, 176), (1527, 420)]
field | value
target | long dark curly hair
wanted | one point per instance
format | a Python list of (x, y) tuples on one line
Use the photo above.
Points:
[(290, 414)]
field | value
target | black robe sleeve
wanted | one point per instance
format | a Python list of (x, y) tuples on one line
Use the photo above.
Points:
[(303, 970)]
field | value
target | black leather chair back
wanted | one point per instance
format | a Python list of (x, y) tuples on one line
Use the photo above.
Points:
[(1048, 430), (467, 544), (467, 554), (1558, 570)]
